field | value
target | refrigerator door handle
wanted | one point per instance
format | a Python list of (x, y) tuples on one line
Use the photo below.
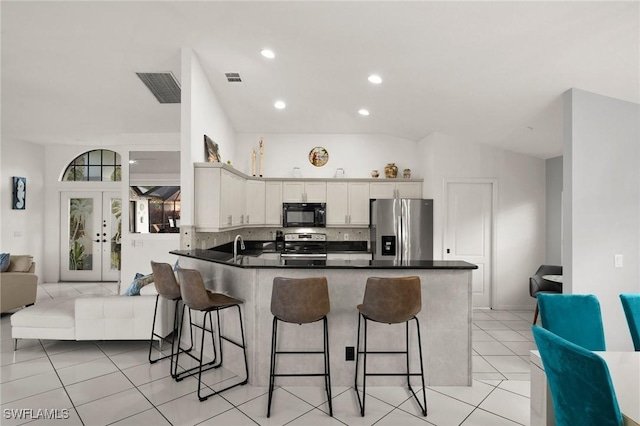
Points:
[(400, 240)]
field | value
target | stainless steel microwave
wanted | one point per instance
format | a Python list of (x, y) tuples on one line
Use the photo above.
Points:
[(309, 215)]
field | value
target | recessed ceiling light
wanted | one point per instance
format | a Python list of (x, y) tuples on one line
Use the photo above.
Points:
[(364, 112), (280, 105), (268, 53), (375, 79)]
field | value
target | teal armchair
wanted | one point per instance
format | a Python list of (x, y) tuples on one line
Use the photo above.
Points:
[(574, 317), (631, 306), (579, 381)]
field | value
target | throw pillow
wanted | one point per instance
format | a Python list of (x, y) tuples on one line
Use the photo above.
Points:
[(4, 262), (138, 282), (20, 263)]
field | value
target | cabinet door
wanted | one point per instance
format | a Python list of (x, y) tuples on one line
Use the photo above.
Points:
[(227, 186), (316, 192), (360, 256), (409, 189), (239, 201), (255, 202), (293, 192), (338, 203), (358, 203), (273, 203), (207, 198), (382, 190)]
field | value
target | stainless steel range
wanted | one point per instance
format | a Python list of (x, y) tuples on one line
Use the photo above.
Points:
[(304, 248)]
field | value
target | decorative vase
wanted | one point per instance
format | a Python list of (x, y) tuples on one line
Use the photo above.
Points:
[(406, 173), (391, 171), (374, 173)]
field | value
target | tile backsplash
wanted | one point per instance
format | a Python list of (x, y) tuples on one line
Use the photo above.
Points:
[(203, 240)]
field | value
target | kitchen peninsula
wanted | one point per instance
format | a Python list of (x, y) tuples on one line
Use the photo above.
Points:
[(445, 318)]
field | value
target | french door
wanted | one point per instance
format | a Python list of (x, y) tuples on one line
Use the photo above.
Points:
[(90, 241)]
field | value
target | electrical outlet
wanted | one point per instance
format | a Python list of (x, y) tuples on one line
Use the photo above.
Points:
[(618, 260), (346, 237), (349, 353)]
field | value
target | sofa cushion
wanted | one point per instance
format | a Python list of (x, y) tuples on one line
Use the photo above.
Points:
[(53, 313), (4, 261), (20, 263)]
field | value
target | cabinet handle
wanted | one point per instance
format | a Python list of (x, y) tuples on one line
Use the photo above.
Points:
[(346, 218), (247, 219), (230, 220)]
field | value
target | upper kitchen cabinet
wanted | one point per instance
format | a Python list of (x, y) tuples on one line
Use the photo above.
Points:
[(273, 203), (347, 203), (304, 192), (256, 202), (382, 190), (219, 199)]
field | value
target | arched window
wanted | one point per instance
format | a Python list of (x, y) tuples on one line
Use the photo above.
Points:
[(96, 165)]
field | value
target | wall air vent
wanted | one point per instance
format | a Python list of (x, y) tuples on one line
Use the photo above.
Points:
[(163, 85), (233, 77)]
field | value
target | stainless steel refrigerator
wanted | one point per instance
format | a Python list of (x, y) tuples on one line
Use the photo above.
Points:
[(401, 229)]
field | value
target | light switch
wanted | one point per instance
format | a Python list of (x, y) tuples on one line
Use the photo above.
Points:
[(618, 260)]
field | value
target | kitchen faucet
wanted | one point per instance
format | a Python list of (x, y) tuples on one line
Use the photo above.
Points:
[(235, 246)]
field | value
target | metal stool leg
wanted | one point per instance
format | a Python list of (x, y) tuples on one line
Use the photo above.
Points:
[(327, 365), (272, 369)]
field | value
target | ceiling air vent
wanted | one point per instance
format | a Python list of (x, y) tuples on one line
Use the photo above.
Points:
[(233, 77), (163, 85)]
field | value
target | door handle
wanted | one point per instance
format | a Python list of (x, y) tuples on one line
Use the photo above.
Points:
[(448, 251), (104, 241), (96, 241)]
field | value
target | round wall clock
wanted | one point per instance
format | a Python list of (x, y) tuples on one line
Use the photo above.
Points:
[(318, 156)]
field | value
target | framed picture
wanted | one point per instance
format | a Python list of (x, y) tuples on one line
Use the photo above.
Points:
[(211, 152), (19, 199)]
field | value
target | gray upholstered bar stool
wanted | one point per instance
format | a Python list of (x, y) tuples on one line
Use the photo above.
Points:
[(167, 288), (390, 301), (196, 297), (299, 301)]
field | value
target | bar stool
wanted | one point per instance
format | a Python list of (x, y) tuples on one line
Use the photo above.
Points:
[(390, 301), (196, 297), (299, 301), (168, 288)]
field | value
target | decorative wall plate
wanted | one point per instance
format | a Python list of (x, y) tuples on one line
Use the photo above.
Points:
[(318, 156)]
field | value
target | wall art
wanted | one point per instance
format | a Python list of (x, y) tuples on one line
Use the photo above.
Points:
[(19, 198)]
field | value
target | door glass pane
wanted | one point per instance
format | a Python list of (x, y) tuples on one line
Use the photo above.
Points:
[(80, 234), (108, 158), (115, 222)]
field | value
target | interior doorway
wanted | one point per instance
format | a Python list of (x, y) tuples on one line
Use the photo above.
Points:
[(91, 226), (469, 232)]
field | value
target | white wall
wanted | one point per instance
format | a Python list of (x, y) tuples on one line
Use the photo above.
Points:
[(357, 154), (22, 229), (554, 211), (201, 114), (602, 204), (520, 219)]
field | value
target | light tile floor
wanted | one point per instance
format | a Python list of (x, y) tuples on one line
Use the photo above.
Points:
[(112, 383)]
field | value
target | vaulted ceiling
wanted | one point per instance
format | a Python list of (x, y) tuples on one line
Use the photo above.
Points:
[(490, 72)]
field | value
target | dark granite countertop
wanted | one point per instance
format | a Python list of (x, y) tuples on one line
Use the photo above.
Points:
[(248, 258)]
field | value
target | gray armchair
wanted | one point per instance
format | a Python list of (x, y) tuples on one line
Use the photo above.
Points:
[(537, 284)]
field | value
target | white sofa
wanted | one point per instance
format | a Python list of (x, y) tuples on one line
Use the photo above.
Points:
[(114, 317)]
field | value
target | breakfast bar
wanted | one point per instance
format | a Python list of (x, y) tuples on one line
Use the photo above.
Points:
[(445, 318)]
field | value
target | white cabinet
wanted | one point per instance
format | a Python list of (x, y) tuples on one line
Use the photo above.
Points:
[(256, 203), (349, 256), (380, 190), (347, 203), (304, 192), (219, 199), (273, 203)]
